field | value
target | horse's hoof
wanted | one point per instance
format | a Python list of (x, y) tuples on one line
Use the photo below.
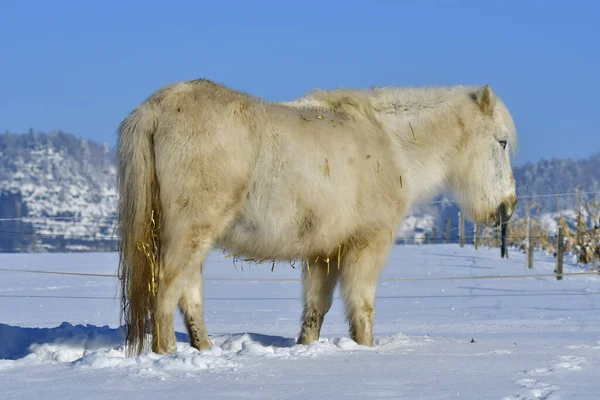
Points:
[(306, 340), (203, 345)]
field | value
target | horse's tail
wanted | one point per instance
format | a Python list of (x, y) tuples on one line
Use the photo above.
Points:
[(138, 221)]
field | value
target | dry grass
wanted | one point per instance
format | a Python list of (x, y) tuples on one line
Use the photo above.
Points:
[(587, 240), (583, 241)]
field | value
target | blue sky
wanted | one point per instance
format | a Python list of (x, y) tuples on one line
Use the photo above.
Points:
[(82, 66)]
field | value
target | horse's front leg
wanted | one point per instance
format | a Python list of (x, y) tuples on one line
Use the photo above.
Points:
[(359, 274), (318, 286)]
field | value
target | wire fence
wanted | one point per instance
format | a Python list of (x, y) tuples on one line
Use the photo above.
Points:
[(298, 280), (67, 233), (447, 201), (231, 279), (398, 297)]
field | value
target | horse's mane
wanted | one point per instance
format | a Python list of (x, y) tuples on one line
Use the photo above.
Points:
[(383, 98), (404, 101)]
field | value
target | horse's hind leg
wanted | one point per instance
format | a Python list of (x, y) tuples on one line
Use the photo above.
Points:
[(359, 275), (318, 288), (189, 236), (177, 271), (191, 305)]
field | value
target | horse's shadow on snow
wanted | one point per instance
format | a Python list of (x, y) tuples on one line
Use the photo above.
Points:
[(16, 341)]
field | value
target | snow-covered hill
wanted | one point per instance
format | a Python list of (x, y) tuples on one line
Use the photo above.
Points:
[(58, 186)]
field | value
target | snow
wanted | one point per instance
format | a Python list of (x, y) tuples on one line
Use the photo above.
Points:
[(525, 338)]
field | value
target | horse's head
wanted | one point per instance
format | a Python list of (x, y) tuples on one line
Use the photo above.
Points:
[(481, 177)]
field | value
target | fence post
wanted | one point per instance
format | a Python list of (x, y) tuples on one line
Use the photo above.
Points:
[(448, 226), (461, 229), (434, 238), (475, 236), (503, 244), (426, 241), (560, 248)]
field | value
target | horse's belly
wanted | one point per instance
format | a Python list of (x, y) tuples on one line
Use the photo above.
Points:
[(289, 233), (301, 206), (255, 240)]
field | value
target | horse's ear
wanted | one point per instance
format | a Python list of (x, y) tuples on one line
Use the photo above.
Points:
[(486, 99)]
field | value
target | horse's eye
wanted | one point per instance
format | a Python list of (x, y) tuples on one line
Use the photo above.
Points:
[(502, 143)]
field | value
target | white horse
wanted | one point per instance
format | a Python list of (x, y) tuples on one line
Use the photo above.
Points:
[(325, 179)]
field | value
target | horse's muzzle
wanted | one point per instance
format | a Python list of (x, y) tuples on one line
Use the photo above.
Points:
[(505, 211)]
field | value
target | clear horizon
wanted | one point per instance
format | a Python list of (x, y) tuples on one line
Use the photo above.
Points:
[(81, 68)]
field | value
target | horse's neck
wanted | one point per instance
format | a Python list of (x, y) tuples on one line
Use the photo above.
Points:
[(424, 143), (420, 123)]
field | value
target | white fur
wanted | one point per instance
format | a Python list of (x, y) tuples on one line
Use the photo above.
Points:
[(331, 173)]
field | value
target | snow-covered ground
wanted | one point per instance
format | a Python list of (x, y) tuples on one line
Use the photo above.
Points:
[(438, 339)]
